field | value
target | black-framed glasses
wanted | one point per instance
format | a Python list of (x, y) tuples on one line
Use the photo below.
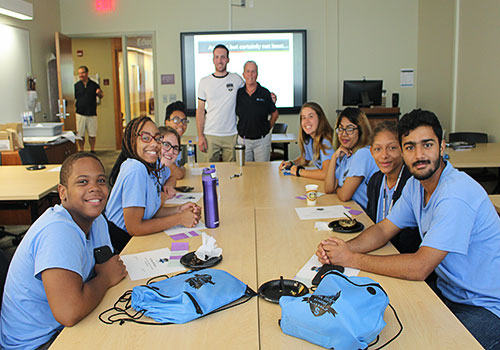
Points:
[(147, 137), (168, 146), (178, 120), (349, 130)]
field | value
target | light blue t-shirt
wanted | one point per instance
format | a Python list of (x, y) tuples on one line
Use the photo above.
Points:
[(53, 241), (360, 163), (318, 163), (134, 187), (384, 195), (164, 173), (461, 220)]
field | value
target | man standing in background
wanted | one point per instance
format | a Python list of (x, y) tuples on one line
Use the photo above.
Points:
[(217, 125), (86, 91), (253, 106)]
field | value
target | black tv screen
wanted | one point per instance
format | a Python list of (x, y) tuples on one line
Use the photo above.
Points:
[(354, 90), (280, 56)]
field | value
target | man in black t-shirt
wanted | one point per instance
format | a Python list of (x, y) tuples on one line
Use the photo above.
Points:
[(86, 91), (253, 106)]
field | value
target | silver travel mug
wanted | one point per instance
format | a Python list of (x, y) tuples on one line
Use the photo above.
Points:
[(240, 154)]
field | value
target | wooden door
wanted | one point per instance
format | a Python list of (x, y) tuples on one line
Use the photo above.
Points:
[(65, 73)]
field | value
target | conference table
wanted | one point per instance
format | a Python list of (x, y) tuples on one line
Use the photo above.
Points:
[(262, 239), (484, 155), (22, 192)]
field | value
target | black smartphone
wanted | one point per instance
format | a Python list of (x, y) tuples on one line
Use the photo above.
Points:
[(102, 254), (36, 167), (184, 188), (324, 269)]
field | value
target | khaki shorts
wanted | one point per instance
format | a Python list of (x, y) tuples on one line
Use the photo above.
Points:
[(218, 145), (88, 123)]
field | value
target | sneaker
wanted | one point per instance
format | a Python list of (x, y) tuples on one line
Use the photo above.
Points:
[(92, 151)]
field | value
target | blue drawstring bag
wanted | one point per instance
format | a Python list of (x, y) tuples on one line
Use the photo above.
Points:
[(343, 313), (180, 299)]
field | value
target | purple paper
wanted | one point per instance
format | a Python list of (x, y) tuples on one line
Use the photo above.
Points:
[(301, 197), (176, 257), (179, 236), (193, 233), (355, 212), (347, 207), (178, 196), (180, 246)]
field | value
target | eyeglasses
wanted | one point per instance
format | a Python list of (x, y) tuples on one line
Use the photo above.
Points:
[(147, 137), (168, 146), (178, 120), (349, 130)]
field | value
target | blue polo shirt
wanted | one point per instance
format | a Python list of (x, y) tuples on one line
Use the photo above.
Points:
[(309, 149), (134, 187), (461, 220), (53, 241), (361, 163)]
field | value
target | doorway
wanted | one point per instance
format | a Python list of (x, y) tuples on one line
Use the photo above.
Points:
[(127, 81)]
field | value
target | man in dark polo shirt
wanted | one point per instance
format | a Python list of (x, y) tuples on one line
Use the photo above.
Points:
[(86, 91), (253, 107)]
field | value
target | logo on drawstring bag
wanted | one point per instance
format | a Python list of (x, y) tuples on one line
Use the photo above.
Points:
[(321, 304), (199, 281)]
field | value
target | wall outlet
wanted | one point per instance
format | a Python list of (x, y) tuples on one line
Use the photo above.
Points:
[(172, 98)]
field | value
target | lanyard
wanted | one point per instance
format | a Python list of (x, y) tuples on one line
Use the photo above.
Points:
[(384, 214)]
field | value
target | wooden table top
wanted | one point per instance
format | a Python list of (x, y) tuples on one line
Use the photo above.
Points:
[(495, 199), (262, 239), (19, 184), (484, 155)]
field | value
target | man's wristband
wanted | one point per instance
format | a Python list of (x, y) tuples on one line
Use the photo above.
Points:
[(299, 168)]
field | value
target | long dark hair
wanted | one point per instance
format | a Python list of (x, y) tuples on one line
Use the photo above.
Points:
[(129, 149)]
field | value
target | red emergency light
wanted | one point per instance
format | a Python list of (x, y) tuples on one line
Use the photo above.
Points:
[(104, 5)]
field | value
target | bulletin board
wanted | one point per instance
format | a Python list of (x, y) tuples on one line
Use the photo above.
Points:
[(15, 66)]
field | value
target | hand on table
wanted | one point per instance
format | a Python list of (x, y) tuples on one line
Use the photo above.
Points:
[(285, 164), (113, 269), (190, 214), (334, 251)]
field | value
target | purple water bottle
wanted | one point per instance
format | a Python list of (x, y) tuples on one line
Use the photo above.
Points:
[(210, 205)]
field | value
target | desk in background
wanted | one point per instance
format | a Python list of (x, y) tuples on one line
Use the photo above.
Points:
[(23, 193), (56, 153), (495, 199), (263, 239)]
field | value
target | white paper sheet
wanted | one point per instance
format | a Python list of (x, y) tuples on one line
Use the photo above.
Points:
[(196, 171), (56, 169), (150, 264), (181, 229), (316, 213), (311, 268), (182, 198)]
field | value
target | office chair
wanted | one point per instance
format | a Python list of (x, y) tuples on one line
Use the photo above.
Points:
[(4, 266), (33, 155), (279, 128), (470, 137), (480, 175)]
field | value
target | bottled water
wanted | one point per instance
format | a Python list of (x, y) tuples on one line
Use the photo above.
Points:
[(190, 153)]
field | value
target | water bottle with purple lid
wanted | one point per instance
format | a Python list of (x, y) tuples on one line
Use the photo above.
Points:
[(210, 205)]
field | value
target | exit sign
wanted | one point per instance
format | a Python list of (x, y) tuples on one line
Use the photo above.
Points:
[(104, 5)]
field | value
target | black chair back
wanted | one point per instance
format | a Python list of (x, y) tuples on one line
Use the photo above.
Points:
[(4, 266), (33, 155), (280, 128), (470, 137)]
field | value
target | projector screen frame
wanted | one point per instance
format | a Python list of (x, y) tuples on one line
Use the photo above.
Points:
[(282, 110)]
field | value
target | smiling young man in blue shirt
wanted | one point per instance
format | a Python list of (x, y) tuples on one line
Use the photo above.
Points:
[(458, 224)]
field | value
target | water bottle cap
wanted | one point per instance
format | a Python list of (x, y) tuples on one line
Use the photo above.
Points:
[(212, 166), (238, 146), (190, 141)]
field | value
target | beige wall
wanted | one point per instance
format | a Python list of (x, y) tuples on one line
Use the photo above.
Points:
[(97, 57), (347, 39), (45, 23), (478, 88), (435, 58)]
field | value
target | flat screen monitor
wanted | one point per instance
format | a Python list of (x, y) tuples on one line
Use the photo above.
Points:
[(280, 56), (362, 93)]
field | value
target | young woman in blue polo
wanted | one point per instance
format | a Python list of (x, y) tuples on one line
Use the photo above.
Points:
[(352, 164)]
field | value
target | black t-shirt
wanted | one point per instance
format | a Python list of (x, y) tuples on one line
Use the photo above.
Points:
[(86, 103), (253, 112)]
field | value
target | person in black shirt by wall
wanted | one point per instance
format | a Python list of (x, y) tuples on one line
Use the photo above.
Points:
[(86, 91), (253, 106)]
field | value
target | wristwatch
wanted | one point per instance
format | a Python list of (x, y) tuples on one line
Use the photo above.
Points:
[(299, 168)]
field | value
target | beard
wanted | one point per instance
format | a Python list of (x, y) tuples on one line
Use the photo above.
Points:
[(429, 172)]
